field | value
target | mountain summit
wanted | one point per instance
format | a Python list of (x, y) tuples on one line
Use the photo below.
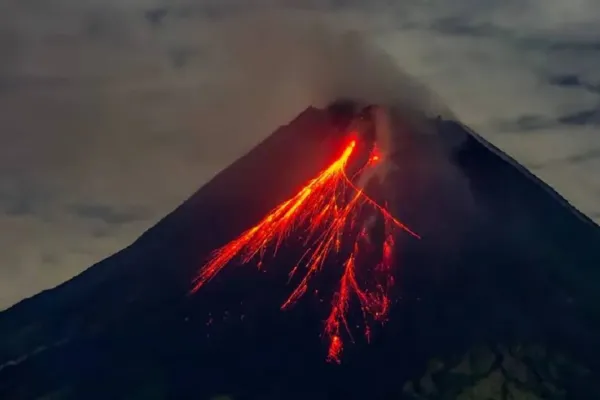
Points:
[(490, 292)]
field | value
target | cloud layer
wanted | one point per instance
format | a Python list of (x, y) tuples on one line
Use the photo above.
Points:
[(113, 112)]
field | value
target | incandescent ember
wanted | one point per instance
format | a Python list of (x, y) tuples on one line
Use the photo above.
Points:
[(333, 214)]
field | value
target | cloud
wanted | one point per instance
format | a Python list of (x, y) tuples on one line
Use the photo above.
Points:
[(112, 106), (156, 16), (109, 215)]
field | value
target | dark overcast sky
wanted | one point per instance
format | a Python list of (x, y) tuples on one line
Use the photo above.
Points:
[(112, 112)]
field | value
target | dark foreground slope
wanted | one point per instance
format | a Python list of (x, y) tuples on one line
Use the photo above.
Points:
[(496, 301)]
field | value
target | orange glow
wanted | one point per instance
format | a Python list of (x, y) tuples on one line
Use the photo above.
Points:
[(326, 211), (375, 157)]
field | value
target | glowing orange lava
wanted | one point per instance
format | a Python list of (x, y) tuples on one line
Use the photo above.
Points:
[(327, 210)]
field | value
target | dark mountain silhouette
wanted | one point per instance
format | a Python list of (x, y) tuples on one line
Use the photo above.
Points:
[(498, 300)]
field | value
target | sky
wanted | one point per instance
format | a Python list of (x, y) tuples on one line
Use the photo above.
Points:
[(114, 112)]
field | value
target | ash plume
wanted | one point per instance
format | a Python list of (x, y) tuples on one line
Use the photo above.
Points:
[(279, 63)]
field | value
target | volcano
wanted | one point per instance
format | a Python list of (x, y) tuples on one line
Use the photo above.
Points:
[(490, 293)]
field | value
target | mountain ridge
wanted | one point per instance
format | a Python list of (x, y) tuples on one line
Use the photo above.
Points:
[(500, 260)]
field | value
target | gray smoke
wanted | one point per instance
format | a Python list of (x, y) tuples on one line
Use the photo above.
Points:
[(296, 59)]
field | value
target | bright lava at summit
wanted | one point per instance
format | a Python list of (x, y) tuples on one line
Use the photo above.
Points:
[(328, 213)]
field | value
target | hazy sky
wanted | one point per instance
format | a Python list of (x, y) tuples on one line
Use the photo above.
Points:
[(112, 112)]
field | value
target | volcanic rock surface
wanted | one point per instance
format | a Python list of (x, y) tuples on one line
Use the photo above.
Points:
[(497, 300)]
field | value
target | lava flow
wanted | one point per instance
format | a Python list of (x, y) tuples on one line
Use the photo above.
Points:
[(328, 211)]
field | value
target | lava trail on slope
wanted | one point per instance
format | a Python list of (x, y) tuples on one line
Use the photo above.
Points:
[(503, 264), (333, 216)]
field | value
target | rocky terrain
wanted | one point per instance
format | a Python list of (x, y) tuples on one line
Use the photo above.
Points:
[(499, 372)]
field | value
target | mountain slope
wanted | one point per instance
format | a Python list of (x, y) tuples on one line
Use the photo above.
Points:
[(503, 262)]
